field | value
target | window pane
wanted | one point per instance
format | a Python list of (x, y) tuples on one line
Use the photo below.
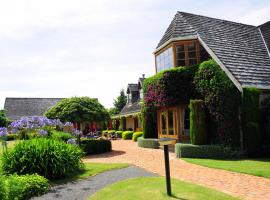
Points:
[(163, 123), (181, 62), (164, 60), (170, 122), (192, 61), (191, 47)]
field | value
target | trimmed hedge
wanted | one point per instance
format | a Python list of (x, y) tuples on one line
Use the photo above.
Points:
[(119, 134), (136, 135), (250, 120), (151, 143), (199, 151), (22, 187), (197, 122), (127, 135), (11, 137), (52, 159), (122, 126), (93, 146)]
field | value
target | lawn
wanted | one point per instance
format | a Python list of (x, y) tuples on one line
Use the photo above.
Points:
[(91, 169), (155, 188), (257, 167)]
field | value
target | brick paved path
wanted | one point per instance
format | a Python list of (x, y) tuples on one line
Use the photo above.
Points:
[(236, 184)]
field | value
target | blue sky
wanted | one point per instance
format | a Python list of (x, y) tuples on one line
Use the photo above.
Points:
[(62, 48)]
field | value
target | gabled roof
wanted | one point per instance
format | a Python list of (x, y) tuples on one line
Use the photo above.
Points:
[(132, 87), (265, 30), (131, 108), (238, 48), (19, 107)]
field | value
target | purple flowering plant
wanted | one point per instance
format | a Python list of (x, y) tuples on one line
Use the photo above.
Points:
[(3, 137)]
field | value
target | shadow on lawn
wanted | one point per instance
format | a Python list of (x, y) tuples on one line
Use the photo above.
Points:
[(175, 197), (107, 155)]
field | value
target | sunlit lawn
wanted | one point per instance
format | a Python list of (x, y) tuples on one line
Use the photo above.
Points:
[(155, 188), (257, 167)]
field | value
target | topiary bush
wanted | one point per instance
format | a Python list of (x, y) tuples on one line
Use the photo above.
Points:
[(52, 159), (265, 126), (119, 134), (59, 135), (22, 187), (127, 135), (199, 151), (136, 135), (250, 120), (151, 143), (197, 122), (122, 126), (93, 146)]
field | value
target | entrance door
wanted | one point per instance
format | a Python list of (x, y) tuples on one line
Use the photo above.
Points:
[(167, 126)]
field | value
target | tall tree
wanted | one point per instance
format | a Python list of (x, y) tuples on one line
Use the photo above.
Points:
[(4, 121), (120, 101)]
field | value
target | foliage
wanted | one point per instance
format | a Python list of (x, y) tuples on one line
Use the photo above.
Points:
[(197, 122), (4, 121), (93, 146), (59, 135), (149, 121), (127, 135), (11, 136), (265, 125), (78, 109), (151, 143), (222, 100), (145, 188), (120, 102), (250, 120), (169, 87), (136, 135), (199, 151), (122, 126), (50, 158), (22, 187)]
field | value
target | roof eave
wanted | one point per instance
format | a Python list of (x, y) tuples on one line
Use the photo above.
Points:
[(223, 67), (190, 37)]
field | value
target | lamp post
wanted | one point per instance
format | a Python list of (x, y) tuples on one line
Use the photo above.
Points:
[(165, 142)]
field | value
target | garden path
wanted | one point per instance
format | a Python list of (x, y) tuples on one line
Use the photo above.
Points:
[(82, 189), (245, 186)]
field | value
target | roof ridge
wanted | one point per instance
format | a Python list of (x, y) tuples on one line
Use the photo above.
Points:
[(225, 20)]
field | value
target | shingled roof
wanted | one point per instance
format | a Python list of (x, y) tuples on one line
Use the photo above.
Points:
[(132, 87), (19, 107), (130, 109), (239, 49)]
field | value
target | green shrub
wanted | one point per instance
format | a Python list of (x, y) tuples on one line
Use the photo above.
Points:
[(52, 159), (197, 122), (11, 137), (111, 131), (250, 120), (222, 101), (149, 122), (136, 135), (105, 131), (127, 135), (119, 134), (151, 143), (122, 126), (22, 187), (265, 126), (93, 146), (59, 135), (199, 151)]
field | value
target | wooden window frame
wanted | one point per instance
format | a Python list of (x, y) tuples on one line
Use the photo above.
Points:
[(175, 125), (174, 45)]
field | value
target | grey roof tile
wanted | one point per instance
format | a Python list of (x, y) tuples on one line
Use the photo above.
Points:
[(19, 107)]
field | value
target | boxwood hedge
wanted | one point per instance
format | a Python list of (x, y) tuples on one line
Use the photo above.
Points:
[(94, 146), (151, 143)]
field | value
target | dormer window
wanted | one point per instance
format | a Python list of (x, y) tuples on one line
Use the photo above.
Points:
[(181, 53), (164, 60)]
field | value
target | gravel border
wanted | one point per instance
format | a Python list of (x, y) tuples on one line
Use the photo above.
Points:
[(80, 190)]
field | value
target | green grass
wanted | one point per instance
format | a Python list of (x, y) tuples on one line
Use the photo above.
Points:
[(155, 188), (91, 169), (257, 167)]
